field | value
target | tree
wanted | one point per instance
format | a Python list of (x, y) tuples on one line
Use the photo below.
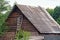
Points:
[(4, 6), (56, 14), (51, 11)]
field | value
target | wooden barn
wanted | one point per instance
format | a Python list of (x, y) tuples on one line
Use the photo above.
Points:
[(35, 20)]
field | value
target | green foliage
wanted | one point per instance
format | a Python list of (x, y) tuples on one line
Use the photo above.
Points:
[(51, 11), (22, 35), (19, 35), (26, 35), (3, 7), (55, 13), (3, 26), (3, 29)]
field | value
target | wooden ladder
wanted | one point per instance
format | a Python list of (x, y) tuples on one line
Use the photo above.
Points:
[(19, 22)]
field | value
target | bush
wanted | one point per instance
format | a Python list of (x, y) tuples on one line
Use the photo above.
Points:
[(22, 35), (3, 29)]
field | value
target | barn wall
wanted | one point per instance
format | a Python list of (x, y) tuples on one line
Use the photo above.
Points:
[(26, 25), (12, 21)]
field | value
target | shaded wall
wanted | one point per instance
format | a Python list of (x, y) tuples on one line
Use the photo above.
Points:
[(51, 37)]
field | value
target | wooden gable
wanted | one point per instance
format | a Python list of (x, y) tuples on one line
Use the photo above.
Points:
[(26, 24)]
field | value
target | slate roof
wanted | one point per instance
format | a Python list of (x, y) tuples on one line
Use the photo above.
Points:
[(40, 18)]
